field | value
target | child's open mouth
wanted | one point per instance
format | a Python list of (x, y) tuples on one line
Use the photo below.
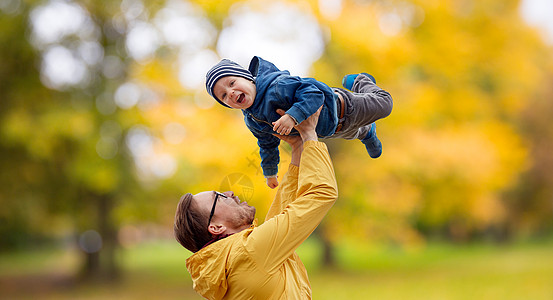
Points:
[(240, 99)]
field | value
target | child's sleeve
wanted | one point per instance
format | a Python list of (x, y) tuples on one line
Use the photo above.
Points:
[(268, 151), (304, 96)]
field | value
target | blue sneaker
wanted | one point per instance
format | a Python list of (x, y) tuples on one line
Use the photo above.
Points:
[(372, 143), (348, 80)]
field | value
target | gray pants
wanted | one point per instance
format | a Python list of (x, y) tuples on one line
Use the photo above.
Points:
[(366, 104)]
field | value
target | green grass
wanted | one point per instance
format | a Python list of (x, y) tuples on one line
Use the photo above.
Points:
[(438, 271), (441, 272)]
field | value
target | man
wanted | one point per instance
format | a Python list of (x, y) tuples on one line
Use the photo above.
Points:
[(235, 259)]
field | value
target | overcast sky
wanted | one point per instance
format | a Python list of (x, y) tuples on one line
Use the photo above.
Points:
[(539, 13)]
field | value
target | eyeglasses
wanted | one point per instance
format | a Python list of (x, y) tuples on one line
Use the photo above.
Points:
[(217, 194)]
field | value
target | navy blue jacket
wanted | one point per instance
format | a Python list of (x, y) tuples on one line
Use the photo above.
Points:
[(299, 97)]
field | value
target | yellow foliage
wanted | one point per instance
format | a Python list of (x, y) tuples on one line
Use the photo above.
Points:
[(96, 174), (459, 72)]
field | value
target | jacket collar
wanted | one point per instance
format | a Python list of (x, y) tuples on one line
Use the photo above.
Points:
[(222, 236)]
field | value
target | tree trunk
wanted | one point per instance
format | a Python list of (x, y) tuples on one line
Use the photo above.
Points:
[(101, 263), (328, 258), (109, 236)]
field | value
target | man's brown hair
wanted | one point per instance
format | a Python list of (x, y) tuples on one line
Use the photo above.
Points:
[(190, 226)]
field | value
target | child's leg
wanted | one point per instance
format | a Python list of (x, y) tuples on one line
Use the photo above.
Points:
[(348, 80), (364, 83), (367, 135), (361, 110), (367, 104), (371, 142)]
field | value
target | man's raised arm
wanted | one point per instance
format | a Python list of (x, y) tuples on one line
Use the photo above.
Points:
[(278, 238), (286, 192)]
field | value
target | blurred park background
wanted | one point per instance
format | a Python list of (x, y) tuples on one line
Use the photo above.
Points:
[(105, 123)]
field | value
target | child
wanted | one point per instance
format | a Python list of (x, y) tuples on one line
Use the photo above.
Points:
[(263, 88)]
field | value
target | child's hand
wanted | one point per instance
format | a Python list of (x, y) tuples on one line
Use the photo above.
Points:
[(272, 182), (284, 125)]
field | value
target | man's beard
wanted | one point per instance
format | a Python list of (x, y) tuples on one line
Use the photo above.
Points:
[(245, 217)]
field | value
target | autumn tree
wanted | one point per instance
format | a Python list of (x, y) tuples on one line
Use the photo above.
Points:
[(105, 122)]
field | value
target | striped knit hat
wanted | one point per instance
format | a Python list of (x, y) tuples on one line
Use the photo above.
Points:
[(225, 67)]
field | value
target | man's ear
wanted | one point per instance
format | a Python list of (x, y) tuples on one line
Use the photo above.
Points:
[(216, 229)]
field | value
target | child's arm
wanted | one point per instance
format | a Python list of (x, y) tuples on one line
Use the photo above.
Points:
[(284, 125), (303, 95), (268, 150)]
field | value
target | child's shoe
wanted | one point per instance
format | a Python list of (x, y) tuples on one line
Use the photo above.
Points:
[(372, 143), (348, 80)]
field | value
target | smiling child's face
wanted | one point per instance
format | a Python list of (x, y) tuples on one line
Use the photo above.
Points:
[(235, 91)]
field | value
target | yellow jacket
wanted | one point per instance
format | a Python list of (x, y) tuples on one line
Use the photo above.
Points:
[(261, 262)]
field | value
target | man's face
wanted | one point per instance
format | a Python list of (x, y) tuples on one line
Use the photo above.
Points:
[(228, 211), (234, 91)]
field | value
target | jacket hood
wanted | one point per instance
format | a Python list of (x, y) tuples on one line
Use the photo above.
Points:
[(264, 73), (207, 269)]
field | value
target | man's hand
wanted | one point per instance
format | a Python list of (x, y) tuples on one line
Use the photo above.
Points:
[(307, 132), (307, 127), (297, 147), (284, 125), (293, 140)]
